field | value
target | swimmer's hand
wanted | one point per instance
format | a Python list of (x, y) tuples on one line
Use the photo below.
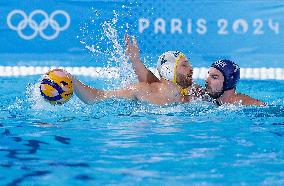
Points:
[(131, 49)]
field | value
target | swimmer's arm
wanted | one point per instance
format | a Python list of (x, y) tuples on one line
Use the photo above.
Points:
[(85, 93), (132, 50), (91, 95)]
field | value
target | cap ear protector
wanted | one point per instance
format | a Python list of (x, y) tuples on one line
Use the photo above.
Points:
[(167, 65), (230, 71)]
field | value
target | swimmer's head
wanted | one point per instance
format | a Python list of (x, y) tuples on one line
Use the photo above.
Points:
[(174, 66), (223, 75)]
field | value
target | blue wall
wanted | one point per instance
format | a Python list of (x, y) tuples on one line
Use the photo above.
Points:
[(250, 32)]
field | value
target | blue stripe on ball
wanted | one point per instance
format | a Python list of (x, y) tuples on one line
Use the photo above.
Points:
[(53, 84), (55, 98)]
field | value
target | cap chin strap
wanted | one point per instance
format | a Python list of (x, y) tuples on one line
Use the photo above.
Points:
[(183, 91), (175, 68)]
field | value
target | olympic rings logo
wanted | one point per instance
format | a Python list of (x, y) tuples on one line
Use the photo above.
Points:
[(38, 28)]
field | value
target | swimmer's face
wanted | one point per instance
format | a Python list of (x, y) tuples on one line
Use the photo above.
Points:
[(184, 73), (214, 83)]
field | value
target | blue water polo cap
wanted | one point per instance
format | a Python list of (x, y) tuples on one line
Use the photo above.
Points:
[(230, 71)]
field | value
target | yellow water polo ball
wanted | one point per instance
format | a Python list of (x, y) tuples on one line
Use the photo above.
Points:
[(56, 87)]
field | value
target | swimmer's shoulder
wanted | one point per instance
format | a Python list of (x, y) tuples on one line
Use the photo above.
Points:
[(155, 86), (166, 88), (247, 100)]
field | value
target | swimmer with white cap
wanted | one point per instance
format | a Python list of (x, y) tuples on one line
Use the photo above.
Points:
[(175, 67), (174, 86), (172, 66)]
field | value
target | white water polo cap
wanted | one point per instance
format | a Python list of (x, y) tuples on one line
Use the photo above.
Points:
[(167, 65)]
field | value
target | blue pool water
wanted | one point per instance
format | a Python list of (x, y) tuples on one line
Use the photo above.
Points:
[(123, 142), (128, 143)]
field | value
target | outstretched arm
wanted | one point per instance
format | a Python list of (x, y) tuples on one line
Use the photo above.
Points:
[(91, 95), (132, 50)]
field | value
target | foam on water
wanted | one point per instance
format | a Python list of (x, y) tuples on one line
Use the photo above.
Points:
[(35, 106), (31, 104), (117, 141)]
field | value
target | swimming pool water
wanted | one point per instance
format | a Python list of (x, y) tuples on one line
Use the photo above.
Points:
[(128, 143)]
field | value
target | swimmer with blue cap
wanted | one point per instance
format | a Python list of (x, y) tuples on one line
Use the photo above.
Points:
[(221, 84)]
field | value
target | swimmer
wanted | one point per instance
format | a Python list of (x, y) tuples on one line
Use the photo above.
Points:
[(166, 67), (174, 86), (220, 84)]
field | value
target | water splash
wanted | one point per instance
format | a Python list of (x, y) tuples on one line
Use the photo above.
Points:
[(118, 55), (92, 48), (115, 54), (34, 97)]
